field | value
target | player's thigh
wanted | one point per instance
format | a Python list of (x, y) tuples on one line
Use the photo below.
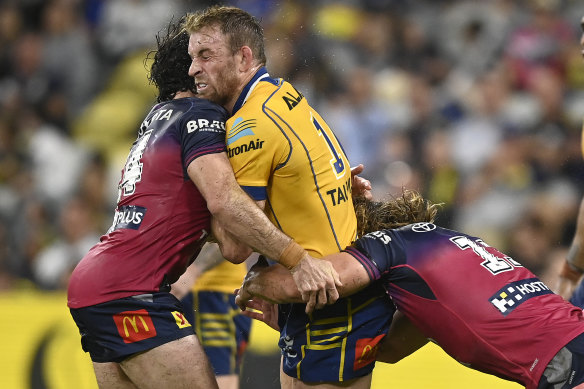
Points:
[(228, 381), (288, 382), (110, 375), (178, 364)]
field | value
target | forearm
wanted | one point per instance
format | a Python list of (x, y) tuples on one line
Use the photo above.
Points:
[(275, 283), (208, 258), (233, 209)]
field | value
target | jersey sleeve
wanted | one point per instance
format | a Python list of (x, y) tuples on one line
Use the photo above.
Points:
[(377, 252), (254, 146), (202, 131)]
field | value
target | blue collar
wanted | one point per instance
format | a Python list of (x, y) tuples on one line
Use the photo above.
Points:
[(261, 75)]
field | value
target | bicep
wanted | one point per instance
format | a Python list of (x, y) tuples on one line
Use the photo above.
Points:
[(213, 176)]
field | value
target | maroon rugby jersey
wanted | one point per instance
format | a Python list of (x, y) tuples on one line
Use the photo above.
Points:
[(482, 307), (161, 219)]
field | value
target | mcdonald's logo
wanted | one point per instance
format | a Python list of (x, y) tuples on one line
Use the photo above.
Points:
[(366, 351), (181, 320), (134, 326)]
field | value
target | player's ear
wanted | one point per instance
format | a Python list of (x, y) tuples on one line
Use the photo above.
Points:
[(246, 59)]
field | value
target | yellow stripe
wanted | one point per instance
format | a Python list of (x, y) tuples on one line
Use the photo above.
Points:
[(327, 340), (216, 334), (324, 346), (329, 331), (215, 325), (344, 346), (214, 316), (366, 303), (218, 343)]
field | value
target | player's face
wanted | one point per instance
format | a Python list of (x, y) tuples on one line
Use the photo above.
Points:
[(213, 66)]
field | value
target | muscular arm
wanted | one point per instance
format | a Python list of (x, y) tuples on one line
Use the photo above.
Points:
[(237, 213), (275, 283)]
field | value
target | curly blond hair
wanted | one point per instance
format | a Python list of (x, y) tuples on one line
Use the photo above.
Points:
[(396, 212)]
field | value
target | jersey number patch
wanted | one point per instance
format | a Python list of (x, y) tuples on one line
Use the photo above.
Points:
[(492, 262), (132, 173), (336, 162)]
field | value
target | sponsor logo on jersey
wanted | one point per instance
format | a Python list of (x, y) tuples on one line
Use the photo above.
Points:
[(128, 216), (134, 326), (366, 351), (516, 293), (239, 129), (204, 125), (244, 148), (181, 320), (423, 227)]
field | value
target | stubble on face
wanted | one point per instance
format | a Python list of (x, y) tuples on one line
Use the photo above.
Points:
[(216, 78)]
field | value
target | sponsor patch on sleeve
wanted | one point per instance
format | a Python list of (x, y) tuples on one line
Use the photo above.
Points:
[(516, 293)]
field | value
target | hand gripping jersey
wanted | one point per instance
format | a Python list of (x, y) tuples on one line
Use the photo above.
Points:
[(161, 219), (482, 307), (283, 152)]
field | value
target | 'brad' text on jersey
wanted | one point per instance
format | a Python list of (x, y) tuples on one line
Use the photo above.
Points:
[(340, 194), (244, 148)]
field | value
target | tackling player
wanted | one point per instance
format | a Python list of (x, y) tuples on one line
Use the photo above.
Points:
[(482, 307), (176, 172)]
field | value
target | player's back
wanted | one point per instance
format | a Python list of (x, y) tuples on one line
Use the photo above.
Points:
[(161, 219), (280, 145), (479, 305)]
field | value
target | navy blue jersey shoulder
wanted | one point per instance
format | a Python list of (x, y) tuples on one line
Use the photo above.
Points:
[(388, 248), (197, 124)]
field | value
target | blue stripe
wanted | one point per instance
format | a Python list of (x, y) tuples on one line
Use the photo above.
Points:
[(258, 193)]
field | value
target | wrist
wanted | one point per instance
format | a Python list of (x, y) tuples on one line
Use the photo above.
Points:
[(292, 255), (571, 272)]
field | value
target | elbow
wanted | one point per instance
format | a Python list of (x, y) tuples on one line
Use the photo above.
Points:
[(235, 254)]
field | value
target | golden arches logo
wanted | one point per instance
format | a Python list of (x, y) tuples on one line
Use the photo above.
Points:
[(134, 326)]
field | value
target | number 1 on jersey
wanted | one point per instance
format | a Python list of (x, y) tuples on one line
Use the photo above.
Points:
[(336, 162)]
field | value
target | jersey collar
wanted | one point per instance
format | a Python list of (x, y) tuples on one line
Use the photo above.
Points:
[(261, 75)]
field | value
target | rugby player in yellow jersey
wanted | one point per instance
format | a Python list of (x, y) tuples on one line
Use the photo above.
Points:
[(286, 157)]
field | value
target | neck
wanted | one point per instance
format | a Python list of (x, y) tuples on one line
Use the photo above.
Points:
[(246, 78), (183, 94)]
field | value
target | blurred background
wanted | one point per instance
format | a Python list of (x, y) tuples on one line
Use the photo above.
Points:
[(477, 104)]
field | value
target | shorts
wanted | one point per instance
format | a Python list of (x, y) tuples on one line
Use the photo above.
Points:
[(336, 343), (115, 330), (222, 330), (566, 369)]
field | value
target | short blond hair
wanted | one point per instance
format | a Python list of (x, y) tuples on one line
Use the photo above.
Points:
[(240, 27)]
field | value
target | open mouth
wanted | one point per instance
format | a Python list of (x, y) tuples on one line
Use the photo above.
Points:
[(201, 86)]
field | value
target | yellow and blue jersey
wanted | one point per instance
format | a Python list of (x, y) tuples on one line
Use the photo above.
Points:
[(283, 152)]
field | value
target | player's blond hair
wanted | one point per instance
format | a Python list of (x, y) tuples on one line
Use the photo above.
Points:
[(396, 212), (240, 27)]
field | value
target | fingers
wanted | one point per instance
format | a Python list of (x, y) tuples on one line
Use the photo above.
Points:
[(357, 169), (311, 303)]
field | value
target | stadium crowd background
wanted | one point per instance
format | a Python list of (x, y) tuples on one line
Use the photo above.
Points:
[(477, 104)]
